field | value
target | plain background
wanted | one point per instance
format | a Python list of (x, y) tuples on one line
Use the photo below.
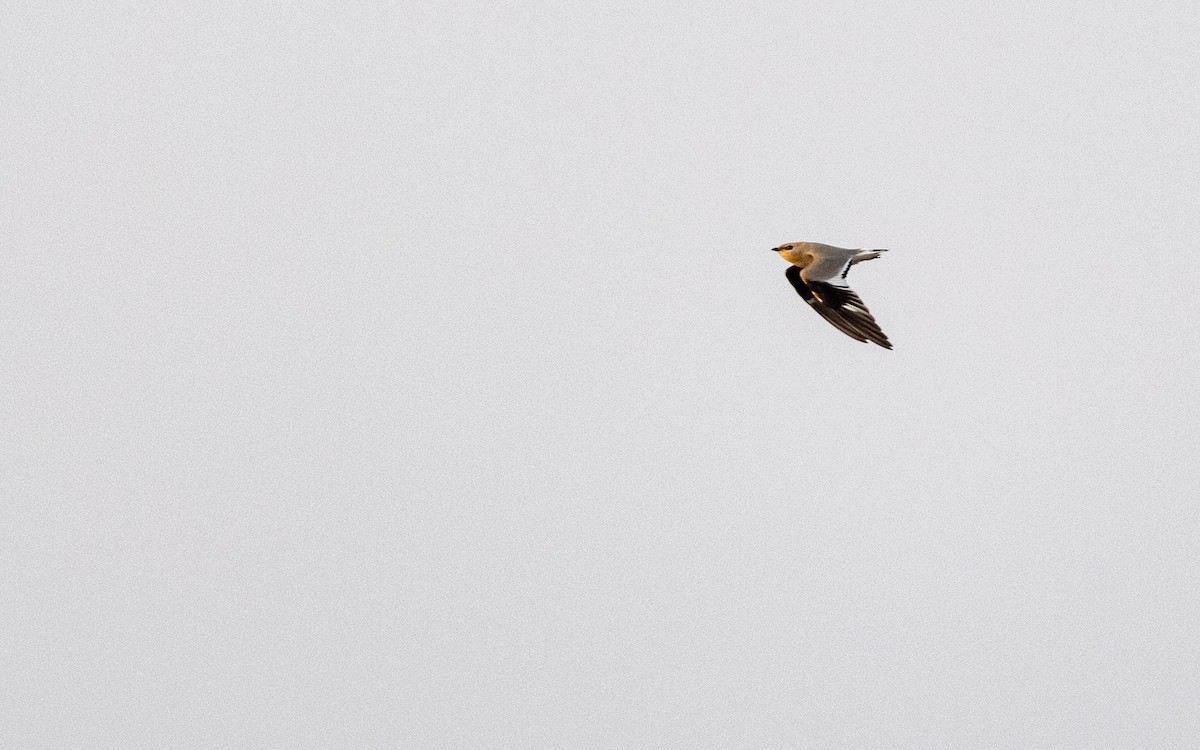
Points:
[(419, 375)]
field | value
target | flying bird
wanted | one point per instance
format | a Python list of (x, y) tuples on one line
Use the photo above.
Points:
[(818, 272)]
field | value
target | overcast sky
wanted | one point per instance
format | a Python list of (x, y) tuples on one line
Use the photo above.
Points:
[(419, 375)]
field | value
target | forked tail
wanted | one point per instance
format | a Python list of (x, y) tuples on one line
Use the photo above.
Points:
[(867, 255), (861, 256)]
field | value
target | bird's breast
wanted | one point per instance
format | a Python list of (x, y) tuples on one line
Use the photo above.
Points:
[(796, 257)]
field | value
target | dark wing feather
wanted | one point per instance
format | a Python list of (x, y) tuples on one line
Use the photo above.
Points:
[(841, 306), (793, 275)]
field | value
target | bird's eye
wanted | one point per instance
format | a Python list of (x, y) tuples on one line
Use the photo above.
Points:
[(789, 247)]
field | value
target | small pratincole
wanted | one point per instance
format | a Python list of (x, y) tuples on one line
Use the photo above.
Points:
[(817, 272)]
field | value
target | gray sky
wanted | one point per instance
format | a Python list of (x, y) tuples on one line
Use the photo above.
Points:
[(419, 375)]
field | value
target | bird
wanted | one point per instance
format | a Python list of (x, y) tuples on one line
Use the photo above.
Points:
[(817, 271)]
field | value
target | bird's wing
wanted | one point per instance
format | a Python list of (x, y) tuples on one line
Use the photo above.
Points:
[(841, 306)]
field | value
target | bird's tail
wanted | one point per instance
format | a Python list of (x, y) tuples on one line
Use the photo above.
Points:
[(867, 255), (861, 256)]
